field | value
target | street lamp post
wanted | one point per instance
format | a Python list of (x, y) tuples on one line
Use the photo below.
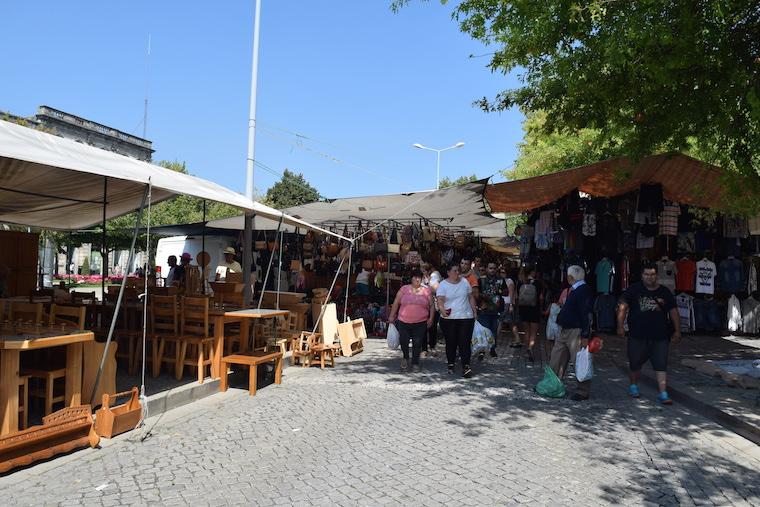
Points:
[(438, 162)]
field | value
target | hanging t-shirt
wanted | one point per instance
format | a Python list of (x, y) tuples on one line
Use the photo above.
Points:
[(706, 273), (669, 218), (589, 224), (457, 299), (754, 225), (666, 274), (686, 242), (686, 312), (686, 270), (734, 314), (603, 271), (644, 242), (735, 227)]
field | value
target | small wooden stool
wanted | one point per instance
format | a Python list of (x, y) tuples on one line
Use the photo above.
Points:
[(252, 360)]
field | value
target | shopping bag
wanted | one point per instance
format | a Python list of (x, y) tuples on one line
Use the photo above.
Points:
[(482, 338), (550, 386), (394, 340), (584, 367)]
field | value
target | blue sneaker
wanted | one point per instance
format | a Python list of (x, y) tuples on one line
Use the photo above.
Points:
[(633, 391), (664, 398)]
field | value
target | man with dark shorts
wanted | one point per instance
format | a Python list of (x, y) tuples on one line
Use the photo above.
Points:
[(652, 322)]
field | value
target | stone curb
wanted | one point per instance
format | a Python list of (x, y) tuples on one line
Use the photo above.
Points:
[(680, 395)]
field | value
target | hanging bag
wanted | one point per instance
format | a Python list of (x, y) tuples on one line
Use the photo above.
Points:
[(584, 366), (394, 339)]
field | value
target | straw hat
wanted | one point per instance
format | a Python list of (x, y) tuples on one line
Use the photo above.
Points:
[(229, 250)]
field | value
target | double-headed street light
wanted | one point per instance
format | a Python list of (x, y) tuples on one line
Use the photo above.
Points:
[(438, 163)]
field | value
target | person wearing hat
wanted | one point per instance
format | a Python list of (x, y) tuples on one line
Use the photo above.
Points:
[(230, 265)]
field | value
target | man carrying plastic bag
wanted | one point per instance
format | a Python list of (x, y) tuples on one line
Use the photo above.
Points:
[(575, 323)]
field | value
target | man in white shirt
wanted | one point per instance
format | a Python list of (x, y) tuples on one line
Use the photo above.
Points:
[(230, 265)]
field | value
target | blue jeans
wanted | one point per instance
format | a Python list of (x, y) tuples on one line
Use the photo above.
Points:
[(707, 315)]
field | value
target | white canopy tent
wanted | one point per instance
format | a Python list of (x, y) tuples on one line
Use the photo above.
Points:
[(56, 183)]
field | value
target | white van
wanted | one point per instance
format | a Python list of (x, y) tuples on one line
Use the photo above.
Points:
[(177, 245)]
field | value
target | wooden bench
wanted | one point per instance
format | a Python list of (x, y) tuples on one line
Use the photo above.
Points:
[(252, 360)]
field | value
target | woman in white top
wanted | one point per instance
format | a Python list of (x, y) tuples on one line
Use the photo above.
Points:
[(458, 309), (431, 279)]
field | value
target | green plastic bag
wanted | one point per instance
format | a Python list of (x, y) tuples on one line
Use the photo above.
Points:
[(550, 386)]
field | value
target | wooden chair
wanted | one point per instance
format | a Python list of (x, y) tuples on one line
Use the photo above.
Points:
[(126, 333), (194, 335), (42, 296), (54, 367), (68, 316), (130, 293), (27, 312), (23, 398), (163, 291), (164, 330), (307, 349), (81, 298)]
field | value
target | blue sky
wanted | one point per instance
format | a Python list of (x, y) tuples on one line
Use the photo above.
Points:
[(360, 82)]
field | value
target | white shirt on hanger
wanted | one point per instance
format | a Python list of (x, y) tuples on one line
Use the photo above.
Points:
[(706, 273)]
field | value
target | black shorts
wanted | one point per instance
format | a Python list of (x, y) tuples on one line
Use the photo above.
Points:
[(654, 351), (530, 314)]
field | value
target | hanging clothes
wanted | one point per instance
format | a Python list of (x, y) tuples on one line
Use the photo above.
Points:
[(730, 276), (706, 273), (685, 304), (666, 273), (751, 315), (543, 230), (686, 270), (669, 218), (734, 315), (604, 272), (751, 277), (604, 310), (735, 227), (589, 224)]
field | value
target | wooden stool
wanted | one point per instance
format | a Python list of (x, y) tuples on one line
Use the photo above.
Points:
[(252, 360), (322, 350)]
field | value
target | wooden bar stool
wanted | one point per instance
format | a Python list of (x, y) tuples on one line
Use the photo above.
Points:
[(195, 337)]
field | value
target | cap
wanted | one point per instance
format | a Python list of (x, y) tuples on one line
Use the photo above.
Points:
[(186, 256), (229, 250)]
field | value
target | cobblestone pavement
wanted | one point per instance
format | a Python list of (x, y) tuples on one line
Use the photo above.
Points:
[(367, 434)]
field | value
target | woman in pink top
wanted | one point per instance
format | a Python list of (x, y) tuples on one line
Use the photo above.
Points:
[(412, 312)]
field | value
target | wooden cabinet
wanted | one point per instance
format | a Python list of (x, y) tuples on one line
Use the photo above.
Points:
[(18, 252)]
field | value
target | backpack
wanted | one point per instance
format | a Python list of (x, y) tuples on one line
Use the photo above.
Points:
[(528, 295)]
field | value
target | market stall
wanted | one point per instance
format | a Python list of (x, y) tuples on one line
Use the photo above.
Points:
[(613, 216)]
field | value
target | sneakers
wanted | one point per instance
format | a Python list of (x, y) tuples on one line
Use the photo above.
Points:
[(633, 391), (404, 364), (664, 398), (481, 356), (467, 372)]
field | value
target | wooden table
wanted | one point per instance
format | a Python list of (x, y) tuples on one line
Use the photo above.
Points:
[(15, 340), (222, 317)]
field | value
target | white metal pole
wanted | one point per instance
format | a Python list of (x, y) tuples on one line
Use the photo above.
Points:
[(438, 171), (248, 221)]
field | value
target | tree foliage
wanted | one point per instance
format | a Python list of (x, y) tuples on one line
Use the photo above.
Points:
[(650, 75), (291, 190), (447, 182)]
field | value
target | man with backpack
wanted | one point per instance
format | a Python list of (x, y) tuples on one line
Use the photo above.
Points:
[(574, 320), (529, 301)]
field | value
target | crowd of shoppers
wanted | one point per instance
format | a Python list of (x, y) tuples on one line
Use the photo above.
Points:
[(507, 301)]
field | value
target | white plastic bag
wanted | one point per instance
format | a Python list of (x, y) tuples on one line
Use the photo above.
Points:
[(482, 338), (394, 340), (584, 367)]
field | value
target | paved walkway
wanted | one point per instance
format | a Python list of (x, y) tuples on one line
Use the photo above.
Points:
[(366, 434)]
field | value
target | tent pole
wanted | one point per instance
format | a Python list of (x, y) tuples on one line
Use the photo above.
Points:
[(348, 281), (327, 299), (279, 272), (143, 396), (269, 268), (121, 295), (388, 279), (247, 258), (203, 249), (104, 249)]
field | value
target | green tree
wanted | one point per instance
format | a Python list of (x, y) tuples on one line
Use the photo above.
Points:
[(448, 182), (291, 190), (541, 152), (652, 75)]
